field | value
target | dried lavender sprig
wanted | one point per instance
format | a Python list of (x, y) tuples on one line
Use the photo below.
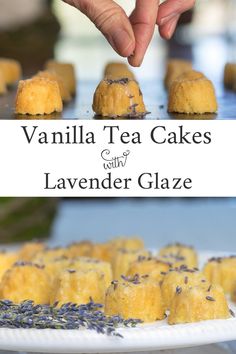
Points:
[(68, 316)]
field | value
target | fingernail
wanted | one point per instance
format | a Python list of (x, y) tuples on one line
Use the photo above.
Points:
[(122, 42), (171, 30), (166, 19)]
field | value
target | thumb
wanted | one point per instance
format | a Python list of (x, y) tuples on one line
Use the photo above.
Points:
[(111, 20)]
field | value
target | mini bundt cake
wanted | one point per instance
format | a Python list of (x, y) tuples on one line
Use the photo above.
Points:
[(154, 267), (7, 259), (53, 76), (49, 254), (85, 264), (11, 70), (56, 266), (180, 254), (118, 70), (66, 71), (174, 68), (175, 260), (135, 297), (123, 258), (118, 98), (198, 304), (106, 251), (222, 271), (29, 251), (79, 249), (3, 87), (128, 243), (26, 281), (230, 75), (102, 251), (179, 279), (192, 96), (79, 287), (191, 75), (38, 96)]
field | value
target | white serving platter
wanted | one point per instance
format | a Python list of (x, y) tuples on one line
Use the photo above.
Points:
[(145, 337)]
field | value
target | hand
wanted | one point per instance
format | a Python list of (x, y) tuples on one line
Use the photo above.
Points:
[(169, 13), (130, 36)]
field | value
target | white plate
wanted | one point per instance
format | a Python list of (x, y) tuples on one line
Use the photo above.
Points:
[(146, 337)]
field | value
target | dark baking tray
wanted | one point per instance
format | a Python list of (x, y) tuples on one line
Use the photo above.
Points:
[(154, 95)]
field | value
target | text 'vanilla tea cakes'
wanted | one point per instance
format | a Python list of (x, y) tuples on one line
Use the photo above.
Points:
[(119, 98), (78, 287), (135, 297), (38, 96), (198, 304), (25, 281)]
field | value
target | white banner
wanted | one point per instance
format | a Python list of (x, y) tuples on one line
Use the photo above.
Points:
[(106, 158)]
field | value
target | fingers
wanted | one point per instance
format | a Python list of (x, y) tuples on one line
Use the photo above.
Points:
[(170, 9), (111, 20), (143, 21), (167, 30)]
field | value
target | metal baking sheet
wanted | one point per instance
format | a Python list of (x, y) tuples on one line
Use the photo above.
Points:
[(154, 95)]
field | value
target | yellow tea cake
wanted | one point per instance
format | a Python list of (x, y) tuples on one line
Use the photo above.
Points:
[(11, 70), (118, 98), (179, 254), (7, 259), (38, 96), (179, 279), (135, 297), (118, 70), (79, 287), (221, 271), (192, 96), (175, 68), (123, 259), (53, 76), (198, 304), (66, 71), (26, 281), (154, 267)]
